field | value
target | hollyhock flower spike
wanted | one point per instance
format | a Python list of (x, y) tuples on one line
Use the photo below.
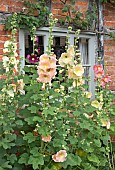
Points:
[(60, 156)]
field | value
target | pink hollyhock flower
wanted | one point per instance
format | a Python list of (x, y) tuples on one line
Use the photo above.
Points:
[(44, 78), (99, 74), (98, 67), (46, 138), (103, 83), (106, 79), (60, 156)]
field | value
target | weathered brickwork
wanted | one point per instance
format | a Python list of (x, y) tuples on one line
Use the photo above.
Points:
[(109, 44)]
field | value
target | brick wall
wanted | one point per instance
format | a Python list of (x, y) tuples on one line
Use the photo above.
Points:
[(56, 7), (109, 44)]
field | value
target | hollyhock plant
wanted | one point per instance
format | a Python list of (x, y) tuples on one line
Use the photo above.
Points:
[(61, 124)]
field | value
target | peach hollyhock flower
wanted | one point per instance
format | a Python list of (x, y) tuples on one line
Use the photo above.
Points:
[(96, 104), (44, 78), (44, 65), (40, 70), (44, 57), (78, 70), (60, 156), (97, 67), (51, 72), (105, 123), (53, 59), (46, 138)]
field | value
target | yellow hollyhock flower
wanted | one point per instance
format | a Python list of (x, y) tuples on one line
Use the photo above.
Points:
[(96, 104), (78, 70)]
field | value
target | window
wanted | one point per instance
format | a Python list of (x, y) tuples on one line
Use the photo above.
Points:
[(86, 46)]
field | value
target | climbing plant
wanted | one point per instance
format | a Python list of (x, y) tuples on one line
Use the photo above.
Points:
[(32, 16)]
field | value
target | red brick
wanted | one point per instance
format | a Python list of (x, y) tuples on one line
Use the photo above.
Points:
[(3, 8)]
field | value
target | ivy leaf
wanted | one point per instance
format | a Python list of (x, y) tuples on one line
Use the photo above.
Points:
[(29, 137)]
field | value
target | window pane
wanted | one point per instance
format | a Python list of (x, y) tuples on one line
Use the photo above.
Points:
[(38, 47), (83, 46), (59, 45)]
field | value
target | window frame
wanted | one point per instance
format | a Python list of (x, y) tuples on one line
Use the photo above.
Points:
[(44, 31)]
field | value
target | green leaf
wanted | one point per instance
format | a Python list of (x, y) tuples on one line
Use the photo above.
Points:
[(93, 158), (72, 160), (97, 142), (19, 122), (23, 159), (35, 161), (29, 137), (37, 119), (29, 120), (33, 109), (5, 165), (35, 97), (34, 151), (12, 158)]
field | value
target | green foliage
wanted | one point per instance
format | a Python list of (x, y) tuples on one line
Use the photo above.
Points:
[(76, 18), (34, 15)]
